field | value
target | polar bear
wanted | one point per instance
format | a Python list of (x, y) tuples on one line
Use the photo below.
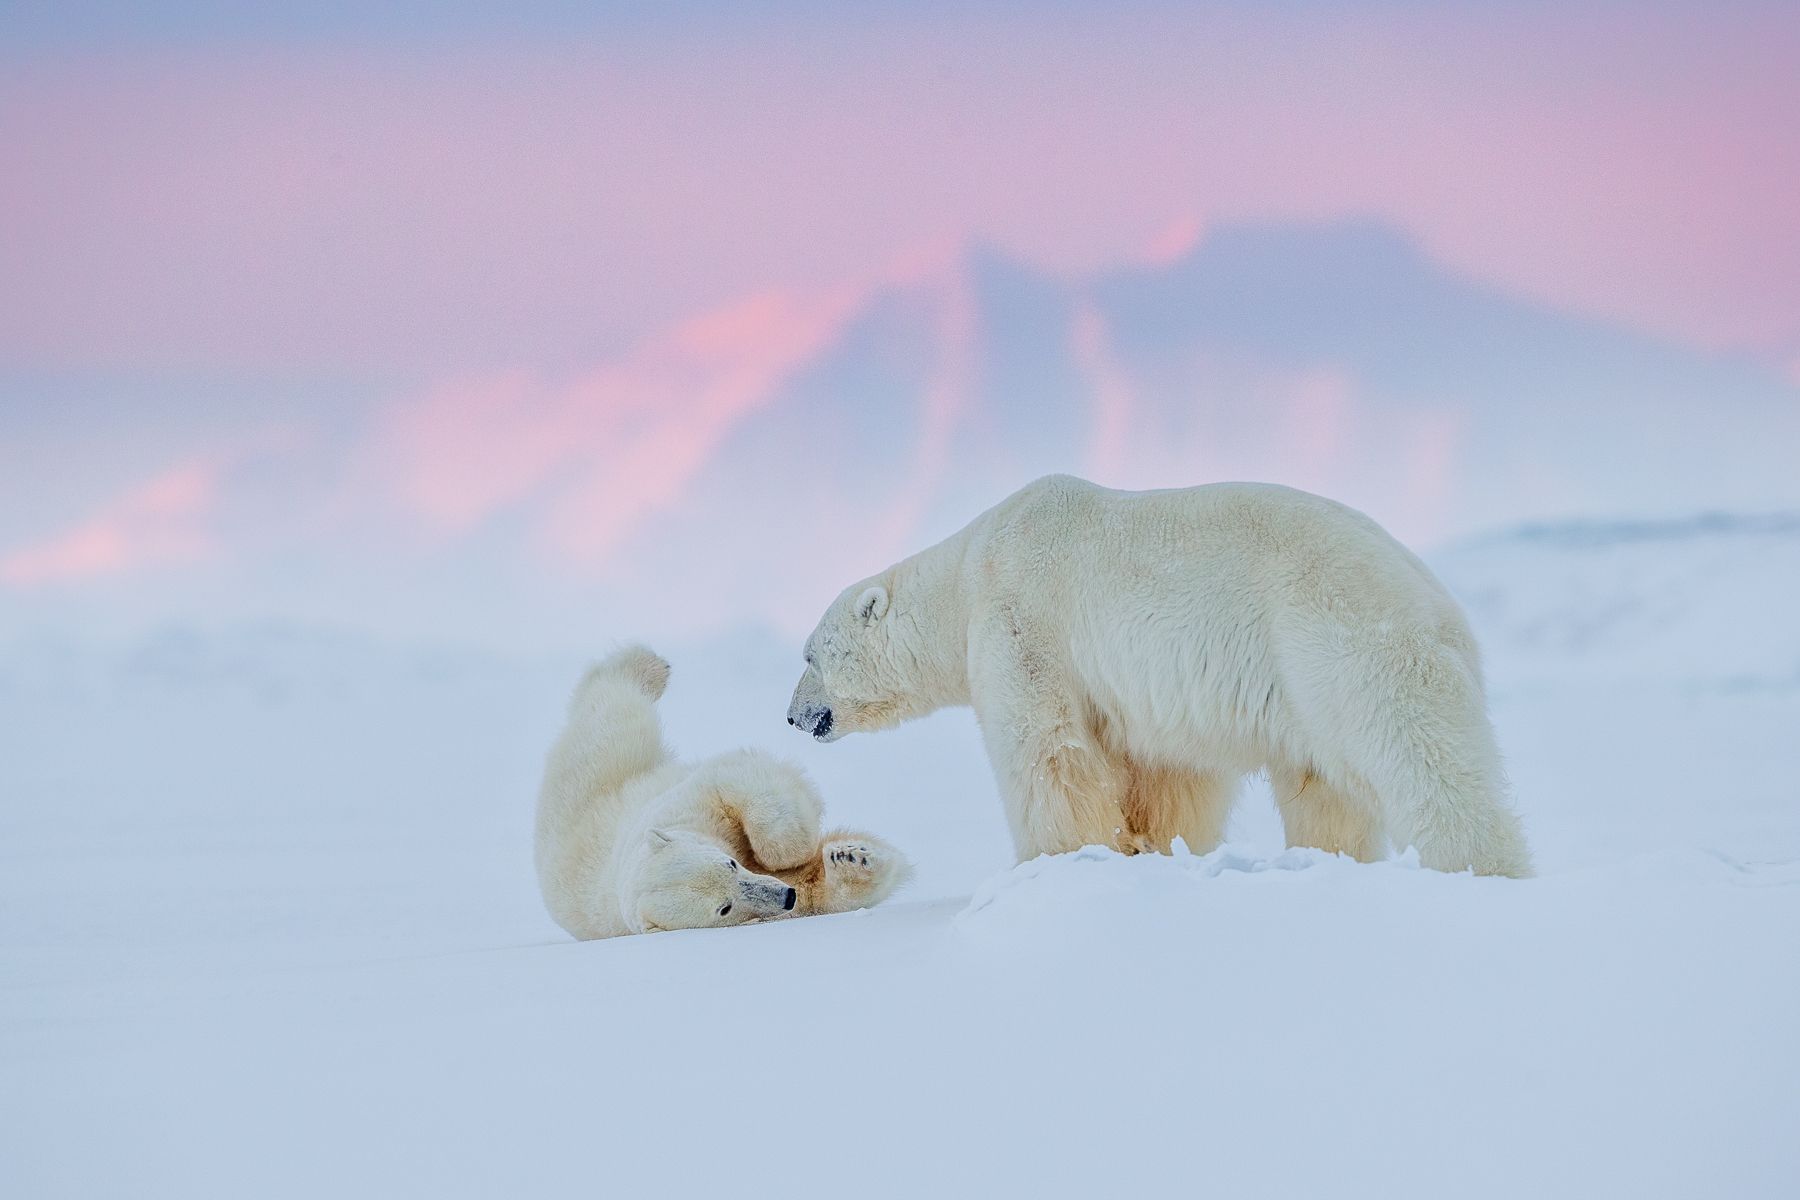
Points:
[(631, 840), (1130, 656)]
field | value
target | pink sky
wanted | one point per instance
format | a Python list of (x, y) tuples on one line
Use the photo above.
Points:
[(501, 209), (567, 268)]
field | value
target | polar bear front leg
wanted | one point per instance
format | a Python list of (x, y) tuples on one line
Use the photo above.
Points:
[(855, 870), (1061, 790), (1061, 793), (1165, 803)]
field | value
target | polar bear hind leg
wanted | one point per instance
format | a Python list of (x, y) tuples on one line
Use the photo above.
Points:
[(613, 732), (1407, 714)]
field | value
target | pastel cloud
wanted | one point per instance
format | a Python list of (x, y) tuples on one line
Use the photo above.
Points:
[(1174, 241), (158, 523)]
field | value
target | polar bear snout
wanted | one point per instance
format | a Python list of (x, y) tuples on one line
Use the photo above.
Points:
[(811, 717), (813, 706), (767, 896)]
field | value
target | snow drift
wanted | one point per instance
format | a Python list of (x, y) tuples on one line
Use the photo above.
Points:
[(268, 927)]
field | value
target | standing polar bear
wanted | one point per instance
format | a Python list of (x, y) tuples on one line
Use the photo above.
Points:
[(631, 840), (1130, 656)]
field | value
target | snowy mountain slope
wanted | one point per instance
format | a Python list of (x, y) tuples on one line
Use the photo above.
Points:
[(1223, 357), (267, 926), (1695, 602), (1338, 358)]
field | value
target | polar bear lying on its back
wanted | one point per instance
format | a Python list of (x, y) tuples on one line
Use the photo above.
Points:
[(631, 840)]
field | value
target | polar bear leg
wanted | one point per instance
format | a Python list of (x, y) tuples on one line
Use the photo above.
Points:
[(613, 732), (1411, 719), (1453, 813), (1165, 803), (1059, 786), (637, 664), (1062, 795), (1316, 814), (1060, 790), (772, 802), (853, 870)]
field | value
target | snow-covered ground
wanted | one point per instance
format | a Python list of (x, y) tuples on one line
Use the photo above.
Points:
[(268, 928)]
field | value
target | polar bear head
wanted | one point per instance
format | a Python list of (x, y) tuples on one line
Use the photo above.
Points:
[(858, 668), (682, 880)]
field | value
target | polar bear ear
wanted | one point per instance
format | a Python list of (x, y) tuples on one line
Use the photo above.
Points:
[(871, 604)]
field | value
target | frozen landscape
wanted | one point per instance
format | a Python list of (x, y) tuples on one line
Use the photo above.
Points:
[(366, 371), (268, 927)]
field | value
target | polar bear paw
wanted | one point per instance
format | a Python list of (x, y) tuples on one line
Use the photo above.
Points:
[(642, 665), (1138, 843), (860, 871)]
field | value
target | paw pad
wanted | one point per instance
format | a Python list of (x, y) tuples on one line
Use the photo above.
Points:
[(850, 855)]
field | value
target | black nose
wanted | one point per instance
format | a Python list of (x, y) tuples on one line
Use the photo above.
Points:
[(791, 721), (787, 901)]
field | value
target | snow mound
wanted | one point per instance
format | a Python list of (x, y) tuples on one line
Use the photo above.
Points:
[(1099, 888), (1098, 870), (1098, 897)]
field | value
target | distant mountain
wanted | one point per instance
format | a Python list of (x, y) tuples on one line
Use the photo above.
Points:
[(1599, 417), (1337, 358)]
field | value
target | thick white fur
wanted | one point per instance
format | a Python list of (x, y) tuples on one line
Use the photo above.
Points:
[(1132, 655), (632, 840)]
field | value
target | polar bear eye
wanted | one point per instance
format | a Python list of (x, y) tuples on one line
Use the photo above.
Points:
[(732, 863), (725, 910)]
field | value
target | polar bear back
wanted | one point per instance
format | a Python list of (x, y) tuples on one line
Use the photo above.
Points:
[(1186, 613)]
